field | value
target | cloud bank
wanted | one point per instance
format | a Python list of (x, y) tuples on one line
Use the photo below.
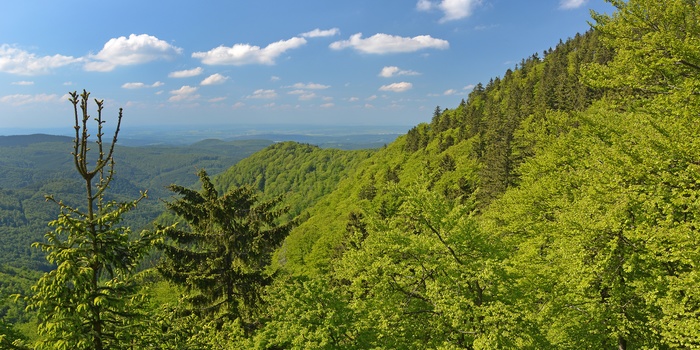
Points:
[(571, 4), (242, 54), (397, 87), (391, 71), (135, 49), (20, 62), (384, 43), (452, 9)]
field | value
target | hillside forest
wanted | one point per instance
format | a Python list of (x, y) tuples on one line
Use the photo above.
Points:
[(554, 207)]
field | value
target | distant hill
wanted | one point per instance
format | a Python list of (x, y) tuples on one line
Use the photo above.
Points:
[(26, 140), (32, 166), (301, 173)]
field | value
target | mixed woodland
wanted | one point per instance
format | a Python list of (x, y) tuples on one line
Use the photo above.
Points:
[(554, 207)]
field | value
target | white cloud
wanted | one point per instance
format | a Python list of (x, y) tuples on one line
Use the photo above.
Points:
[(238, 105), (327, 105), (397, 87), (22, 99), (372, 98), (384, 43), (274, 78), (571, 4), (469, 87), (263, 94), (23, 83), (388, 72), (240, 54), (141, 85), (135, 49), (353, 99), (20, 62), (216, 99), (424, 5), (321, 33), (214, 79), (449, 92), (451, 9), (186, 73), (307, 96), (68, 83), (185, 93), (310, 86)]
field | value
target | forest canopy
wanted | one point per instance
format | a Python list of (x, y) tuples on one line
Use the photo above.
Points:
[(556, 206)]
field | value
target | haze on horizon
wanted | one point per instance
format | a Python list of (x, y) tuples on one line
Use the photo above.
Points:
[(308, 62)]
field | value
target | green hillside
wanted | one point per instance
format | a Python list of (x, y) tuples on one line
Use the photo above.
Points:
[(556, 207), (301, 173), (33, 166)]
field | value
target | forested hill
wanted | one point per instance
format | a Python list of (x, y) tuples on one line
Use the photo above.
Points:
[(33, 166), (555, 207), (302, 173), (470, 153)]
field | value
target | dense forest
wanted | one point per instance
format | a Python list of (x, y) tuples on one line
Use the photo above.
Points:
[(553, 207)]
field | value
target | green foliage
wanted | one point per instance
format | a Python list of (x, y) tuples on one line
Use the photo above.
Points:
[(35, 165), (90, 301), (302, 173), (221, 255), (556, 207)]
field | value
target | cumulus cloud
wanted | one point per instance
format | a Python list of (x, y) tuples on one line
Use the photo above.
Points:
[(23, 83), (384, 43), (571, 4), (310, 86), (321, 33), (24, 99), (449, 92), (241, 54), (307, 96), (141, 85), (397, 87), (187, 73), (388, 72), (263, 94), (424, 5), (185, 93), (353, 99), (135, 49), (214, 79), (327, 105), (20, 62), (452, 9)]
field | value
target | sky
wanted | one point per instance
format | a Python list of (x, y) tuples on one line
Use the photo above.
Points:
[(303, 62)]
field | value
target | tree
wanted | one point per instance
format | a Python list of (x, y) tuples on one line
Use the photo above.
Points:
[(221, 255), (91, 300)]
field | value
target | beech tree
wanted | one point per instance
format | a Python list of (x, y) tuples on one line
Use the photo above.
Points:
[(91, 299)]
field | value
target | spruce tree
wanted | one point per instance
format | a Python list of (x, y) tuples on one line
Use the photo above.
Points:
[(219, 257), (91, 300)]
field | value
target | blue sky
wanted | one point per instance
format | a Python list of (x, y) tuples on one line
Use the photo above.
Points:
[(305, 62)]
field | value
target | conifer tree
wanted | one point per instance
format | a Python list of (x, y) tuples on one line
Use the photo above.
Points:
[(91, 300), (220, 256)]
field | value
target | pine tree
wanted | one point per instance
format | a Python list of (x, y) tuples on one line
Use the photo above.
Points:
[(91, 300)]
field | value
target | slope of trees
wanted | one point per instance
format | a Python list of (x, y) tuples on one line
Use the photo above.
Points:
[(555, 207), (302, 173)]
